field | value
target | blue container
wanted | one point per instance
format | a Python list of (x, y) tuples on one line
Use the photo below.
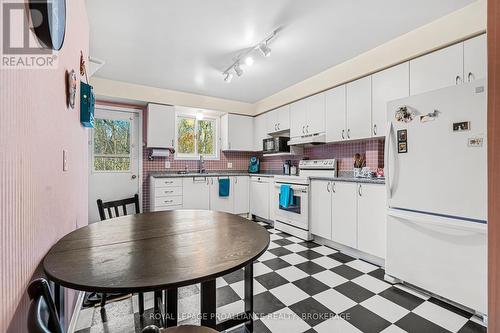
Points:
[(87, 105)]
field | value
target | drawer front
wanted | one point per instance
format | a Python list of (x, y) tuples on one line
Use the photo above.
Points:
[(163, 208), (167, 191), (167, 182), (168, 201)]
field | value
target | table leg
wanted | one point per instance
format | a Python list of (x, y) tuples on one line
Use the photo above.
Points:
[(249, 296), (208, 304), (59, 301), (171, 307)]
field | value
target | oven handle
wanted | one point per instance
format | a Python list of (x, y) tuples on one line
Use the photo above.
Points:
[(302, 189)]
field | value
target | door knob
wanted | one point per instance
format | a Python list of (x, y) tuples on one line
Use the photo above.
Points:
[(134, 176)]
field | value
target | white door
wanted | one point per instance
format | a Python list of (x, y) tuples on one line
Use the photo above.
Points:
[(437, 70), (359, 108), (195, 193), (387, 85), (298, 118), (344, 203), (241, 194), (315, 114), (335, 114), (218, 203), (372, 215), (475, 58), (113, 158), (321, 208)]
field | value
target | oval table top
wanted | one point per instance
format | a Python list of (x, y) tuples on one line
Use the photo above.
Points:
[(154, 251)]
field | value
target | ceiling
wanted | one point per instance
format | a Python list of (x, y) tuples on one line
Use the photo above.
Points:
[(185, 45)]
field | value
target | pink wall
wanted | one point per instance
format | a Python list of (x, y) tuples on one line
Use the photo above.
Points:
[(39, 203)]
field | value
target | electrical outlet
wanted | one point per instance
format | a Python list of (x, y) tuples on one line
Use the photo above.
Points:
[(229, 165), (167, 164), (65, 160)]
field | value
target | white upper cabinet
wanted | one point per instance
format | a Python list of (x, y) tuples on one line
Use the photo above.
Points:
[(279, 120), (160, 126), (259, 131), (437, 70), (307, 116), (298, 120), (359, 108), (236, 132), (335, 113), (388, 85), (475, 58)]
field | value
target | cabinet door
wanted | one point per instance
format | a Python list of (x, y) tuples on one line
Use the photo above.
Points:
[(475, 58), (359, 108), (196, 193), (315, 114), (372, 219), (283, 118), (218, 203), (387, 85), (160, 126), (437, 70), (335, 114), (272, 121), (259, 198), (298, 111), (237, 133), (344, 203), (260, 131), (241, 194), (321, 209)]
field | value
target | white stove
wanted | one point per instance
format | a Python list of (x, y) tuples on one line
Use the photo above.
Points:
[(294, 219)]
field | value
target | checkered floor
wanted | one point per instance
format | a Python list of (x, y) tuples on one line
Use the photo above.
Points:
[(303, 287)]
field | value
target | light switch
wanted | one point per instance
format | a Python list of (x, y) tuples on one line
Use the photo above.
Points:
[(229, 165), (167, 164), (65, 160)]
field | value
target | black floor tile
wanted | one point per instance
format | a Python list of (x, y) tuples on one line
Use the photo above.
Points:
[(276, 263), (311, 311), (347, 272), (378, 273), (234, 276), (354, 291), (283, 242), (146, 319), (271, 280), (265, 303), (402, 298), (280, 251), (226, 295), (341, 257), (283, 234), (310, 267), (309, 254), (365, 320), (259, 327), (309, 245), (451, 308), (414, 323), (472, 327), (310, 285), (85, 330)]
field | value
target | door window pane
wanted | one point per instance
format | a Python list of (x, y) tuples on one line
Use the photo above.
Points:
[(206, 137), (186, 135), (111, 145)]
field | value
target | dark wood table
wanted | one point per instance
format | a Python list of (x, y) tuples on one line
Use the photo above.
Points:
[(161, 251)]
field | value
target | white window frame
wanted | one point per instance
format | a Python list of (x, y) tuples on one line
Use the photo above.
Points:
[(196, 156)]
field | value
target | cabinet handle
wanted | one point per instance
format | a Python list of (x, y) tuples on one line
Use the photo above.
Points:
[(307, 129), (343, 131), (275, 127), (333, 187), (279, 126), (470, 76), (359, 190), (374, 129), (328, 187), (229, 144), (169, 201), (458, 80), (348, 133), (303, 130), (172, 142)]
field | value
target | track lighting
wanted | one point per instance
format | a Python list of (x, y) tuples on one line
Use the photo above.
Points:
[(249, 61), (264, 49), (238, 69), (228, 77)]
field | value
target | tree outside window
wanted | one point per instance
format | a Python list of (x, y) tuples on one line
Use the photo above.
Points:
[(196, 138), (111, 140)]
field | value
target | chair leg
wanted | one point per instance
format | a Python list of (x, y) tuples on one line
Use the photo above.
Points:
[(141, 304), (103, 300)]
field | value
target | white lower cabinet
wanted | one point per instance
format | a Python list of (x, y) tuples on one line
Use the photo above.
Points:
[(196, 193), (218, 203), (165, 193), (241, 194), (350, 214), (259, 197)]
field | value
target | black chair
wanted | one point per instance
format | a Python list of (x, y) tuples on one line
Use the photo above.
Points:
[(42, 314), (110, 207)]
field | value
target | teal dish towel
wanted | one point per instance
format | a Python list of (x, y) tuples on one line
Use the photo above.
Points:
[(286, 196), (224, 185)]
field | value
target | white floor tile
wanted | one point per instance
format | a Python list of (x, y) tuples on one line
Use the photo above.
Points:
[(295, 247), (84, 318), (289, 294), (335, 325), (292, 273), (230, 310), (294, 259), (272, 245), (285, 320), (441, 316), (393, 329), (334, 300), (371, 283), (266, 256), (260, 269), (274, 237), (324, 250), (362, 266), (385, 308), (220, 282), (295, 239), (330, 278), (239, 288), (189, 309), (326, 262)]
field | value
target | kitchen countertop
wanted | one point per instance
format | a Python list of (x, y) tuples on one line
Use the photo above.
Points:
[(215, 173)]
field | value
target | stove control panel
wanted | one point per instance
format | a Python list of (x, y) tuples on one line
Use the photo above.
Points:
[(327, 164)]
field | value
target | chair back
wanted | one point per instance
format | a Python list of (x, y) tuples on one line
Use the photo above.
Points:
[(42, 314), (112, 206)]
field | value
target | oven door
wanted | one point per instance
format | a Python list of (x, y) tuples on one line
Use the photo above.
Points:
[(296, 214)]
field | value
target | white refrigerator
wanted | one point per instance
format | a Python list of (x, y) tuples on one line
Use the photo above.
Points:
[(436, 179)]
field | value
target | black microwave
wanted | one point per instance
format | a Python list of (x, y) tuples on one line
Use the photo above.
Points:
[(278, 144)]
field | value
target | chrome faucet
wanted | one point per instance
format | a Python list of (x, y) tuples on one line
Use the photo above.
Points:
[(201, 165)]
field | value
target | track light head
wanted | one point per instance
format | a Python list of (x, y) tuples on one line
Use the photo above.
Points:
[(264, 49), (238, 69), (249, 61), (228, 77)]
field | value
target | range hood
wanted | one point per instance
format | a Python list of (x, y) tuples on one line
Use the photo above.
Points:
[(313, 139)]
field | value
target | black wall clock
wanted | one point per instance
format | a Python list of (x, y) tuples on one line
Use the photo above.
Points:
[(49, 22)]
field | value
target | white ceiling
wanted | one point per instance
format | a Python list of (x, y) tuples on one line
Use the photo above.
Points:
[(185, 44)]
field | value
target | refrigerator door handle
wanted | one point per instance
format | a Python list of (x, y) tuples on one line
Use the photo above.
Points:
[(386, 159)]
